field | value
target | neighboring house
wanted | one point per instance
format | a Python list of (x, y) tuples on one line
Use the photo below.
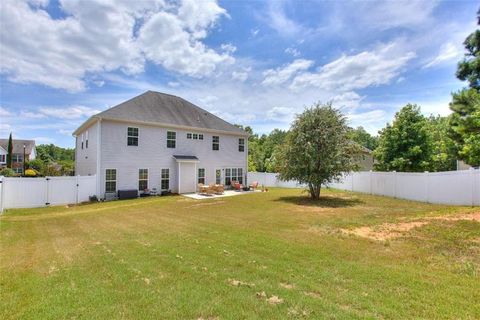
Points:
[(365, 159), (19, 147), (161, 141), (461, 165)]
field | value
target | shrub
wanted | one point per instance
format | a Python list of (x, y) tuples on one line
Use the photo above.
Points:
[(7, 172), (30, 173)]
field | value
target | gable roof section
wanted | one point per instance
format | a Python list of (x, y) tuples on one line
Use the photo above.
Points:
[(166, 109), (18, 145)]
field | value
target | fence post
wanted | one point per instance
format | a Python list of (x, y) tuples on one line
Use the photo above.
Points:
[(76, 189), (47, 179), (472, 174), (394, 184), (371, 182), (426, 173), (2, 186)]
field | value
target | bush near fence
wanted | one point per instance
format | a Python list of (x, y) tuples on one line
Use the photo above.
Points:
[(450, 187)]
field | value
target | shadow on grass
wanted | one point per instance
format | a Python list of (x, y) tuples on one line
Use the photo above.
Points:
[(323, 202)]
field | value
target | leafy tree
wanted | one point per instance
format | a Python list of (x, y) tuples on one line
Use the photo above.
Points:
[(363, 138), (36, 164), (465, 119), (405, 145), (52, 153), (317, 149), (9, 151), (443, 147)]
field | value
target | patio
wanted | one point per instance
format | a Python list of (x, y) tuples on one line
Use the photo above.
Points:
[(226, 193)]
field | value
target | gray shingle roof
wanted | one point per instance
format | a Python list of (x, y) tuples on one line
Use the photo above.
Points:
[(167, 109), (18, 145)]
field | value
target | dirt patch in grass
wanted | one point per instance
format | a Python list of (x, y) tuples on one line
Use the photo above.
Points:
[(389, 231), (205, 204)]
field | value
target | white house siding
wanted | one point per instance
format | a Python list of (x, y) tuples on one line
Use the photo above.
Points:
[(86, 158), (152, 154)]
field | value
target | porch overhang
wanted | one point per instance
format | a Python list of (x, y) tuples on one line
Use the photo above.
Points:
[(183, 158)]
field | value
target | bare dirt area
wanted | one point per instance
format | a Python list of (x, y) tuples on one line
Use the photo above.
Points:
[(387, 231)]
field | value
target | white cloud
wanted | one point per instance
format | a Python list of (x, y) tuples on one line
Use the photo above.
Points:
[(65, 132), (348, 99), (294, 52), (104, 36), (76, 112), (241, 75), (278, 20), (283, 74), (448, 52), (173, 84), (44, 140), (280, 113), (32, 115), (368, 68), (228, 47), (5, 113)]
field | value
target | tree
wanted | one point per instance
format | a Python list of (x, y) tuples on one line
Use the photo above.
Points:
[(465, 119), (9, 151), (317, 149), (363, 138), (405, 145), (444, 153)]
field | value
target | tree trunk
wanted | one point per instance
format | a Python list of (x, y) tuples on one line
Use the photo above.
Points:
[(314, 191)]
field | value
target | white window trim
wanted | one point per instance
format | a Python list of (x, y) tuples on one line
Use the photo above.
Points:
[(162, 179), (137, 136), (116, 172), (147, 179)]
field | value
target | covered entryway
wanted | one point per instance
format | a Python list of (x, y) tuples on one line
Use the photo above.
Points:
[(187, 173)]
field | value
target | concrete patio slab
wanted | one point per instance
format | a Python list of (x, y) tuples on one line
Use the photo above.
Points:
[(227, 193)]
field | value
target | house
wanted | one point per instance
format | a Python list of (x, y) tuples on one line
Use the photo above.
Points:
[(22, 149), (365, 159), (161, 141)]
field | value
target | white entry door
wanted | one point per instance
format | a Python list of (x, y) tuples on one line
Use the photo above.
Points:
[(187, 177)]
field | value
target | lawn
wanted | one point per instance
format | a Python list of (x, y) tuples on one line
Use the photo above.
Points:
[(271, 255)]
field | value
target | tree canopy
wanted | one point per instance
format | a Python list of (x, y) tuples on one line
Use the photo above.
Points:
[(317, 149)]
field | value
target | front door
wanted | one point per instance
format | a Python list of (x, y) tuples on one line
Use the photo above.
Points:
[(187, 177)]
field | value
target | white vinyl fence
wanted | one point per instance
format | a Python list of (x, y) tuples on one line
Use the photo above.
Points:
[(40, 192), (450, 187)]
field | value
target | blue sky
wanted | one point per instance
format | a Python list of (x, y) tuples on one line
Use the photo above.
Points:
[(255, 63)]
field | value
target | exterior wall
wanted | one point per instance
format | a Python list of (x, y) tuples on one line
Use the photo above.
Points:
[(86, 158), (152, 154)]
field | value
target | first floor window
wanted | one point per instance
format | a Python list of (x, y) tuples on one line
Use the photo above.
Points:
[(111, 180), (233, 174), (241, 145), (171, 138), (132, 136), (215, 143), (3, 158), (165, 180), (201, 176), (218, 176), (142, 179), (18, 170)]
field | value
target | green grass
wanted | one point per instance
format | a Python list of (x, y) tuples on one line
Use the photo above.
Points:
[(173, 258)]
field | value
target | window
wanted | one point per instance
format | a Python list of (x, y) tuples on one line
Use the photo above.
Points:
[(18, 170), (17, 157), (142, 179), (200, 136), (241, 145), (111, 180), (195, 136), (218, 176), (132, 136), (165, 180), (201, 176), (215, 143), (82, 140), (189, 136), (233, 174), (171, 137), (3, 158), (86, 139)]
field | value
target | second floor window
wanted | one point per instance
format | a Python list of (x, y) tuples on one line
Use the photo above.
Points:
[(171, 139), (215, 143), (17, 157), (241, 145), (86, 139), (132, 136), (142, 179)]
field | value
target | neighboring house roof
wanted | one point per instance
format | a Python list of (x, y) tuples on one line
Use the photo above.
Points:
[(18, 145), (165, 109)]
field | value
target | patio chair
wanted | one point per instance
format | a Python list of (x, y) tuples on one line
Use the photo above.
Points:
[(202, 189), (219, 188), (254, 185), (237, 186)]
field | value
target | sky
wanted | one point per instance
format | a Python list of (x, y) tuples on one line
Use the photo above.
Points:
[(255, 63)]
